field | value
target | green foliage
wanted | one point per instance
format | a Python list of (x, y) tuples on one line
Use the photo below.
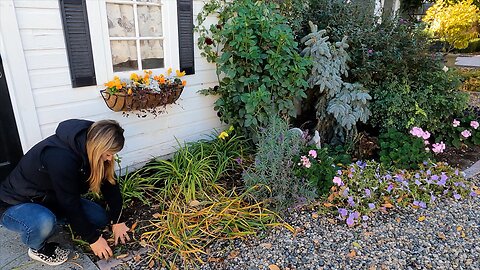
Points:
[(402, 150), (367, 187), (260, 71), (273, 167), (136, 186), (455, 23), (467, 124), (346, 102), (317, 167)]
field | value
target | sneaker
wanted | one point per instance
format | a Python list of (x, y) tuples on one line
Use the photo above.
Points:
[(50, 254)]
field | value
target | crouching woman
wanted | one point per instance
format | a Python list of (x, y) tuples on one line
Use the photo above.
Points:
[(48, 184)]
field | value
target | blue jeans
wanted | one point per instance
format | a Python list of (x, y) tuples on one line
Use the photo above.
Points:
[(36, 223)]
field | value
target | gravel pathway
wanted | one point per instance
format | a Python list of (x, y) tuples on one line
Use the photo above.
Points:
[(448, 238)]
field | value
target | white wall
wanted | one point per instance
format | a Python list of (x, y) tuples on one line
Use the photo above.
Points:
[(43, 45)]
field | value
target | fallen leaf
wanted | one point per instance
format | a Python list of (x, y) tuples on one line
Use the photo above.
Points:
[(121, 256), (143, 243), (266, 245), (352, 254), (459, 228), (441, 235), (137, 258), (387, 205), (194, 203), (133, 226), (157, 215), (368, 234), (398, 220), (332, 221), (477, 191), (372, 267), (421, 218), (327, 204), (273, 267), (463, 234), (314, 215), (331, 197), (151, 264), (212, 259), (316, 242), (233, 254), (357, 245)]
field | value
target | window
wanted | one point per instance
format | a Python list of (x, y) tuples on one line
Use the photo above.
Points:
[(136, 35)]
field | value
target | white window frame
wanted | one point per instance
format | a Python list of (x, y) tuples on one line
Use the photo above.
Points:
[(102, 55)]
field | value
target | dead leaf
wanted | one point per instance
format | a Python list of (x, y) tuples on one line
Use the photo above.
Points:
[(441, 235), (273, 267), (387, 205), (266, 245), (372, 267), (316, 242), (134, 226), (157, 215), (121, 256), (314, 215), (331, 197), (398, 220), (463, 234), (233, 254), (151, 264), (194, 203), (327, 204), (297, 231), (421, 218), (459, 228), (477, 191), (212, 259), (137, 258), (143, 243), (352, 254), (368, 234), (332, 221)]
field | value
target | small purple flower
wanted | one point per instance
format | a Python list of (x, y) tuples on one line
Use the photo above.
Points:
[(388, 177), (432, 198), (351, 202), (428, 171), (239, 160), (361, 164), (399, 177), (390, 187), (435, 177), (356, 214), (473, 194), (422, 204), (350, 220), (342, 211), (345, 192), (418, 183), (365, 218), (456, 171), (445, 192), (466, 133), (474, 124), (457, 196), (368, 192), (372, 205), (417, 175), (339, 172), (442, 182), (444, 177)]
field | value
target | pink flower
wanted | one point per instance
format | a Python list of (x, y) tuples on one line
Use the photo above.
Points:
[(312, 153), (425, 135), (438, 147), (426, 142), (338, 181), (305, 162), (474, 124), (466, 133), (418, 132), (456, 123)]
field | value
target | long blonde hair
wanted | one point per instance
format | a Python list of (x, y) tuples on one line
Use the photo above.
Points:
[(103, 136)]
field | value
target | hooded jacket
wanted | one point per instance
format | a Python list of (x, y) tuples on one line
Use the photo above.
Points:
[(54, 173)]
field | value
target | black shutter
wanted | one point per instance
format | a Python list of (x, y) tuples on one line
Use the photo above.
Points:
[(77, 39), (185, 35)]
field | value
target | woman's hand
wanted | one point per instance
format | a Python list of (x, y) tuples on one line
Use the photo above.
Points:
[(101, 248), (120, 232)]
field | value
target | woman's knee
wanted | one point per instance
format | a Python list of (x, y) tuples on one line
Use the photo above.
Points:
[(45, 225)]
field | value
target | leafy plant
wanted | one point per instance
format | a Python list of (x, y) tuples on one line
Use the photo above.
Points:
[(260, 70), (345, 102), (135, 186), (401, 150), (454, 22), (273, 167), (462, 131)]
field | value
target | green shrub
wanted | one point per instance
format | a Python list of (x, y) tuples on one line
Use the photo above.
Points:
[(260, 70), (462, 130), (402, 150), (273, 167), (136, 186)]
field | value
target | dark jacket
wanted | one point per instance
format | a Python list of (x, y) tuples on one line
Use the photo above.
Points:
[(54, 173)]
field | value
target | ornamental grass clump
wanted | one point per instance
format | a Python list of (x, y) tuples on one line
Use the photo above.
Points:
[(364, 188)]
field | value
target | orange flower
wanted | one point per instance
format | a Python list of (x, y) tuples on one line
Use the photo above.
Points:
[(161, 79), (184, 83), (134, 77)]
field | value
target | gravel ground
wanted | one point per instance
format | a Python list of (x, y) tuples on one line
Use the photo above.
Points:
[(448, 238)]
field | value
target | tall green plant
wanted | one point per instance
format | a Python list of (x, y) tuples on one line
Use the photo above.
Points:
[(260, 70), (345, 102)]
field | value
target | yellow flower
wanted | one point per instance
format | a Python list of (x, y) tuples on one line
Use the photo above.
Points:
[(134, 77), (129, 91), (169, 71), (223, 135), (180, 74)]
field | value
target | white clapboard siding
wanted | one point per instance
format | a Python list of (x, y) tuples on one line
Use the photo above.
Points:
[(43, 42)]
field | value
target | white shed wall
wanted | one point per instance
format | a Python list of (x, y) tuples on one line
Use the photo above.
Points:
[(40, 27)]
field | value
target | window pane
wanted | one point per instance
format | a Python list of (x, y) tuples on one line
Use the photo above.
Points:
[(150, 1), (124, 55), (150, 21), (152, 53), (120, 20)]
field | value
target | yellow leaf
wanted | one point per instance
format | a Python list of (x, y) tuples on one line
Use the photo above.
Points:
[(357, 245), (387, 205), (441, 235), (459, 228), (134, 226), (421, 218), (463, 234), (327, 204), (273, 267)]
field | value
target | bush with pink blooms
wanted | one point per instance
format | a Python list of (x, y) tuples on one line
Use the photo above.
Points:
[(462, 131)]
